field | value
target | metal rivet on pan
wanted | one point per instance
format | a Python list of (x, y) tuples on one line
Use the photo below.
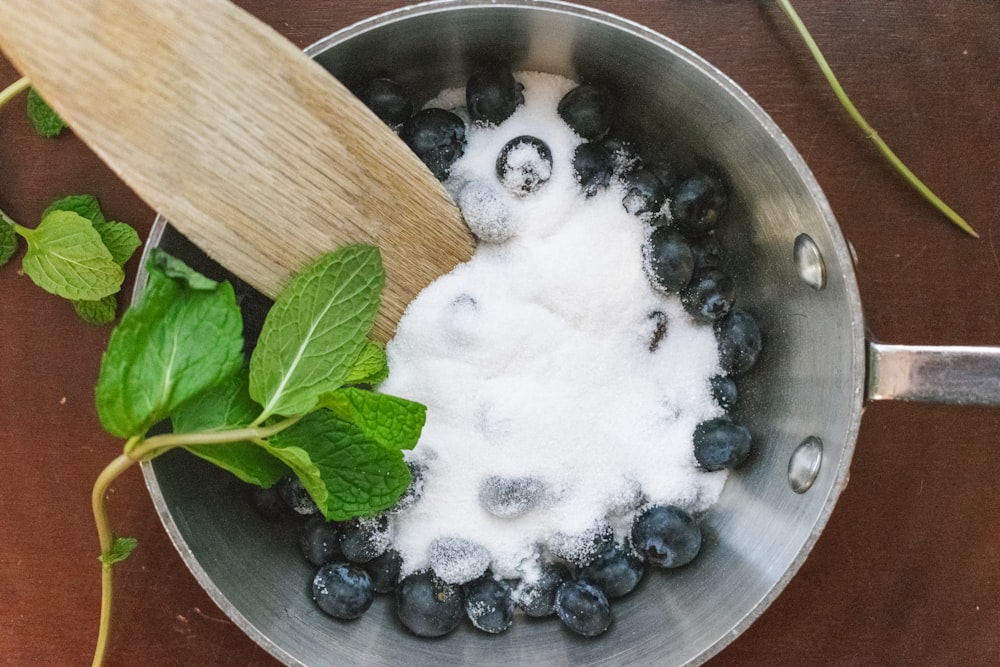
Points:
[(809, 262), (804, 465)]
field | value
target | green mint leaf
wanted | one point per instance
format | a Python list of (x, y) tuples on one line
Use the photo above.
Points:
[(100, 312), (67, 257), (86, 206), (223, 406), (119, 238), (371, 366), (120, 550), (44, 119), (315, 331), (171, 267), (8, 241), (358, 476), (392, 422), (180, 339)]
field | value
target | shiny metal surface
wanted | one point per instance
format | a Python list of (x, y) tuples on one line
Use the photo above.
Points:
[(966, 375), (809, 381)]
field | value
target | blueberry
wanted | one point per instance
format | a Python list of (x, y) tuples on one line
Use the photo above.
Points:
[(698, 203), (666, 536), (486, 211), (587, 110), (294, 493), (363, 539), (388, 100), (623, 157), (537, 598), (706, 251), (669, 260), (489, 604), (721, 443), (384, 571), (740, 341), (457, 560), (269, 503), (593, 166), (583, 547), (427, 606), (509, 497), (709, 295), (661, 164), (342, 590), (616, 572), (644, 194), (724, 391), (583, 608), (319, 541), (492, 94), (437, 137), (524, 165), (413, 491)]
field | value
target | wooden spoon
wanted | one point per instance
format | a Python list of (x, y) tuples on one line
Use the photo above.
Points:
[(250, 148)]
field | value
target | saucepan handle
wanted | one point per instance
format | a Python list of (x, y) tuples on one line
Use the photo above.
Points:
[(962, 375)]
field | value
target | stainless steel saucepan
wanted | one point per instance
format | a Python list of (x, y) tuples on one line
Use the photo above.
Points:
[(803, 401)]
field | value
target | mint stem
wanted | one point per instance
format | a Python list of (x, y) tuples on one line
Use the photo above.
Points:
[(868, 130), (137, 449), (9, 220), (11, 91)]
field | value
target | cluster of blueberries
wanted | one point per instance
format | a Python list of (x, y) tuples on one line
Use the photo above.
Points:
[(355, 559), (683, 254)]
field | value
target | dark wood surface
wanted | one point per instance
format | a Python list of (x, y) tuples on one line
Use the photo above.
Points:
[(907, 571)]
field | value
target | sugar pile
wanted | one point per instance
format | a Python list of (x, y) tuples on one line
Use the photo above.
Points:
[(551, 416)]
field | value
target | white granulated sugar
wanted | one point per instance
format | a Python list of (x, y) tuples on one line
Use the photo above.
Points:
[(534, 360)]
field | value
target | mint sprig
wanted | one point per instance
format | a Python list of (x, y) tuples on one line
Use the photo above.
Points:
[(81, 262), (75, 253), (177, 355)]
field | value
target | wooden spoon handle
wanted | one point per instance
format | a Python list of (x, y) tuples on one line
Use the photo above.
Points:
[(246, 145)]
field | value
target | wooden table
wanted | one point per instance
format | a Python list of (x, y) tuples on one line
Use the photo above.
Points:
[(908, 569)]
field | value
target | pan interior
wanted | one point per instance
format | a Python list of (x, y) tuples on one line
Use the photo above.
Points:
[(806, 384)]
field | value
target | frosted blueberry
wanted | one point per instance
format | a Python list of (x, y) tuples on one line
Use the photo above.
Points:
[(509, 497), (456, 560), (486, 212), (524, 165)]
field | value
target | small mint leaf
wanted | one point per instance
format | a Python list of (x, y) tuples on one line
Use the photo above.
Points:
[(358, 477), (67, 257), (173, 268), (175, 343), (392, 422), (100, 312), (371, 366), (44, 119), (121, 549), (86, 206), (119, 238), (223, 406), (315, 331), (8, 241)]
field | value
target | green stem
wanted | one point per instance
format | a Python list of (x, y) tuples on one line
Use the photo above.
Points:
[(136, 450), (158, 444), (869, 131), (9, 220), (12, 91), (107, 540)]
